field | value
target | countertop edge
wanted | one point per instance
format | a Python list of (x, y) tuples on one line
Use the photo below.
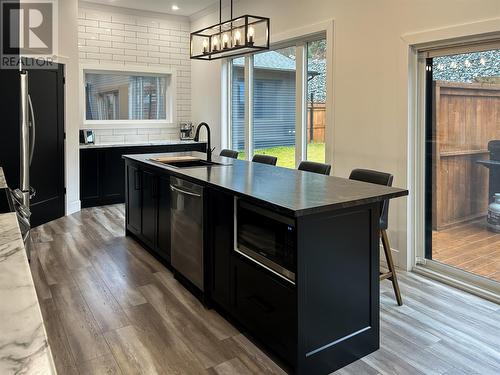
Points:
[(137, 144), (292, 211)]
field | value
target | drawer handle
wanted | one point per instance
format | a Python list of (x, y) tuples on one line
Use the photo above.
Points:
[(264, 306)]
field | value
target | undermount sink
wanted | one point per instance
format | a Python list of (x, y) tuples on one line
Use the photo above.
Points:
[(190, 163)]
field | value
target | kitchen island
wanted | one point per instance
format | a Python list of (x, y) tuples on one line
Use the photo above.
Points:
[(311, 296)]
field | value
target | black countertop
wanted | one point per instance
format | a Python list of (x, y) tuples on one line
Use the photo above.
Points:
[(299, 193)]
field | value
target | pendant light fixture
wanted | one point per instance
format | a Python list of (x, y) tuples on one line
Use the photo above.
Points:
[(235, 37)]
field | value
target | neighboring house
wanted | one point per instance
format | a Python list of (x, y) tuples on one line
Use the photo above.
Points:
[(274, 99)]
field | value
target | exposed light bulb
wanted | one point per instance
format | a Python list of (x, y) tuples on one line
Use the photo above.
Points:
[(215, 44), (237, 38), (225, 41), (251, 35), (175, 7), (205, 46)]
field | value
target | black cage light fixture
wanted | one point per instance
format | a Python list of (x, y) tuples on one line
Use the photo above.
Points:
[(234, 37)]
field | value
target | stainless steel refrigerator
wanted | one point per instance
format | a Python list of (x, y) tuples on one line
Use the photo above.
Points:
[(32, 141)]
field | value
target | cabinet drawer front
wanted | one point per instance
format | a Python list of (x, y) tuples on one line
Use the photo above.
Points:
[(267, 307)]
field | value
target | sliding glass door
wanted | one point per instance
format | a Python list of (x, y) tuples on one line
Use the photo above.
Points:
[(463, 161)]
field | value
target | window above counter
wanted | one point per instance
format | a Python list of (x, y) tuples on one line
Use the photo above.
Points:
[(127, 96)]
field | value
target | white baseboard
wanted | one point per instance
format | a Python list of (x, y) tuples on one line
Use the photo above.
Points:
[(73, 207)]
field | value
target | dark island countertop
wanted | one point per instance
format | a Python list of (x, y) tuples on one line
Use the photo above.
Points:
[(297, 192)]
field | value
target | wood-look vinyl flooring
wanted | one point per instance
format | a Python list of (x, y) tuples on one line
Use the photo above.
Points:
[(111, 308), (470, 247)]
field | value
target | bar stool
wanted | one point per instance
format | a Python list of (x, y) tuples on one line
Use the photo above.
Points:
[(311, 166), (265, 159), (229, 153), (385, 179)]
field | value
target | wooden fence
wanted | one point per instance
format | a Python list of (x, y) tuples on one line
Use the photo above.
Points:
[(466, 118), (317, 113)]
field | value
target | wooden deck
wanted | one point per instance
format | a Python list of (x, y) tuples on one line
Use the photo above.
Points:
[(111, 308), (471, 247)]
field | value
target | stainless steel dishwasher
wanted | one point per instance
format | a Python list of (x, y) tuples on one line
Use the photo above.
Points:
[(187, 229)]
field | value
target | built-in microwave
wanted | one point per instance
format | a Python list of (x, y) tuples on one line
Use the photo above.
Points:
[(266, 238)]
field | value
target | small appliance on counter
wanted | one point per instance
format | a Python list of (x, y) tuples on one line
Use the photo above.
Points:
[(186, 131), (87, 137)]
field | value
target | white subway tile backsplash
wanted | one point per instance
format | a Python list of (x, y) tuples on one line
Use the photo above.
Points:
[(130, 34), (148, 36), (86, 35), (124, 45), (100, 16), (159, 54), (148, 60), (112, 38), (148, 131), (98, 43), (126, 131), (141, 29), (99, 132), (91, 23), (111, 139), (100, 56), (88, 49), (134, 52), (114, 51), (126, 39), (147, 47), (98, 30), (125, 58), (123, 18), (170, 38), (136, 138)]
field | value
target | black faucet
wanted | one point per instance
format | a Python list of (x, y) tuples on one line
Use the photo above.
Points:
[(197, 138)]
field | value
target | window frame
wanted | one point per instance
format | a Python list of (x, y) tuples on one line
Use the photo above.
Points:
[(170, 96), (298, 39)]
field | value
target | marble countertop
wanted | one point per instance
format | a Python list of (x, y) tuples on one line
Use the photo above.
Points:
[(24, 348), (3, 183), (137, 144), (297, 192)]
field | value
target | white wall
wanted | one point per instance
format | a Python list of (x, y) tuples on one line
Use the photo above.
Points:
[(68, 55), (118, 36), (370, 78)]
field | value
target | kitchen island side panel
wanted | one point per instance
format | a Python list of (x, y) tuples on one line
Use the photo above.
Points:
[(337, 288)]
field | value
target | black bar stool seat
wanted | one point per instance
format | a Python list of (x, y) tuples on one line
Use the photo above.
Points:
[(265, 159), (381, 178), (315, 167), (229, 153)]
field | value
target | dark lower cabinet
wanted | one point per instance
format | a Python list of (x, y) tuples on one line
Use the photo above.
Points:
[(134, 199), (221, 208), (163, 223), (267, 307), (102, 170), (148, 208)]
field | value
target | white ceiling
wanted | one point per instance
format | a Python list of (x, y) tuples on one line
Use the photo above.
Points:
[(186, 7)]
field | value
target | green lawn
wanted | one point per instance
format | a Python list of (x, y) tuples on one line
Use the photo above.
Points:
[(286, 154)]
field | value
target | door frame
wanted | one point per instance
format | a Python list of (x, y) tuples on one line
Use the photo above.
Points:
[(482, 31)]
